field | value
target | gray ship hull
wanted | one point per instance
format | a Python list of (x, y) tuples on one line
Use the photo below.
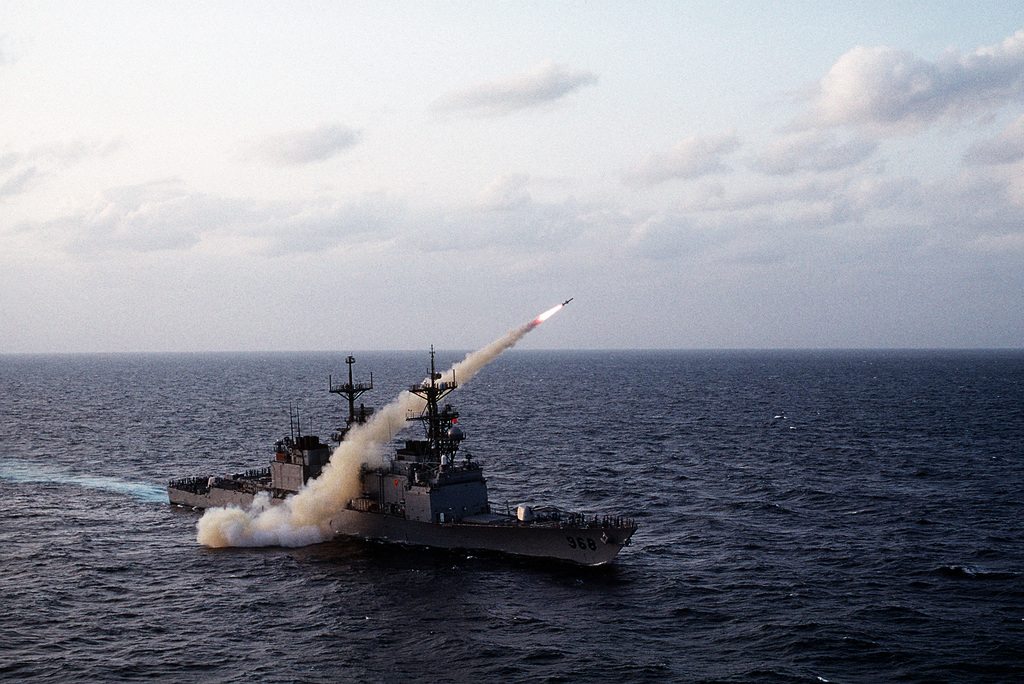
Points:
[(583, 544), (215, 498)]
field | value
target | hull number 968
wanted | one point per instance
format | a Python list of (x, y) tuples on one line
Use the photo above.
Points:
[(581, 543)]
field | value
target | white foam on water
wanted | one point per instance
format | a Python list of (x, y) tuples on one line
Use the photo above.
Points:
[(26, 471)]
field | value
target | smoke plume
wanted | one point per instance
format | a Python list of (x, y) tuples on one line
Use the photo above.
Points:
[(305, 518)]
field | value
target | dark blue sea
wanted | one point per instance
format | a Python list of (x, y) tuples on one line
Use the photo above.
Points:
[(804, 517)]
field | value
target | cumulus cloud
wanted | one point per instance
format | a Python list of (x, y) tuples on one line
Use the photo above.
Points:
[(70, 152), (543, 83), (8, 160), (295, 148), (506, 192), (506, 221), (852, 220), (664, 236), (1004, 148), (164, 215), (892, 91), (151, 217), (715, 197), (694, 157), (16, 183), (808, 201), (811, 150), (23, 169), (157, 216), (319, 226)]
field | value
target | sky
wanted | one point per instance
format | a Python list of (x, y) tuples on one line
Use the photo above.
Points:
[(282, 176)]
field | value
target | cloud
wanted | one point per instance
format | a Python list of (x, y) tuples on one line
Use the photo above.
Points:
[(295, 148), (1005, 148), (40, 161), (891, 91), (694, 157), (164, 215), (319, 226), (713, 197), (69, 152), (976, 202), (161, 215), (152, 217), (664, 237), (812, 150), (543, 83), (506, 192), (17, 182), (504, 221)]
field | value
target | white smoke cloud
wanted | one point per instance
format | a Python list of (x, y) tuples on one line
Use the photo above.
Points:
[(305, 518), (892, 91), (543, 83)]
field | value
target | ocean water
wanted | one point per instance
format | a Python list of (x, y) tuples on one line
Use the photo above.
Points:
[(804, 517)]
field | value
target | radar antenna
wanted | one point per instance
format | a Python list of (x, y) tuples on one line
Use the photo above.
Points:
[(353, 391), (442, 434)]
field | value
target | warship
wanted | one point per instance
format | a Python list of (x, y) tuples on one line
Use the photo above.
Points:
[(427, 494)]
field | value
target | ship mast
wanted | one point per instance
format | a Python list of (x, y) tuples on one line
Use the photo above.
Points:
[(442, 435), (353, 391)]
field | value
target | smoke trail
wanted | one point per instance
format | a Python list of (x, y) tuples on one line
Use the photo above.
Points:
[(305, 518), (474, 361)]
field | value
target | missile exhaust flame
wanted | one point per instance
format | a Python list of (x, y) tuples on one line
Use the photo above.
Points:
[(547, 314), (305, 518)]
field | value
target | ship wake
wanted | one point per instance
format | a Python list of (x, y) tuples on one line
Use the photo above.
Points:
[(305, 518)]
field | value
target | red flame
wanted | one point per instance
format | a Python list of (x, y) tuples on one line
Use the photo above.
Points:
[(547, 314)]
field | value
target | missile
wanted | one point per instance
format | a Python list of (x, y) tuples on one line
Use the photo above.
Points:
[(568, 300)]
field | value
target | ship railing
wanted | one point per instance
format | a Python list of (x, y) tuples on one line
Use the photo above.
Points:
[(570, 519), (194, 484), (597, 521), (614, 521), (254, 474)]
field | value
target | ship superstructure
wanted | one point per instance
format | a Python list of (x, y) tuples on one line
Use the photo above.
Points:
[(425, 481)]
